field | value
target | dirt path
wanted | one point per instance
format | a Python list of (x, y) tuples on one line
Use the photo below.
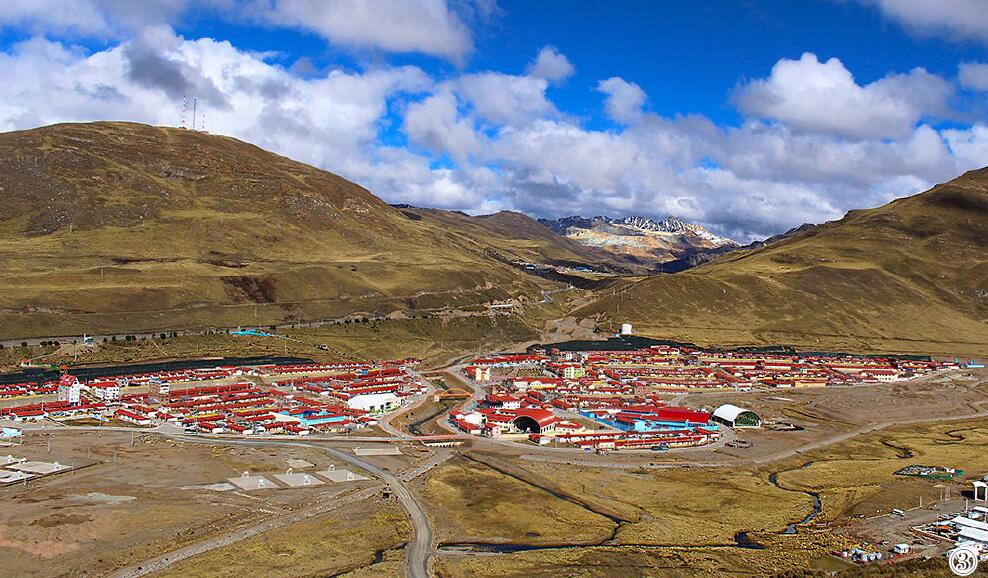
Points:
[(419, 549)]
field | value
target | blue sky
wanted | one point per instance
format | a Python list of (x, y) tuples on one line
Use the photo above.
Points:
[(749, 117)]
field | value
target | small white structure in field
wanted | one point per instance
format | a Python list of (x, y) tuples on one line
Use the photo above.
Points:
[(249, 482), (626, 329), (981, 491), (340, 476)]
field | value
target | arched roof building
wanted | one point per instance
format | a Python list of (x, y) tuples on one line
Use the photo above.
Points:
[(534, 420), (735, 416)]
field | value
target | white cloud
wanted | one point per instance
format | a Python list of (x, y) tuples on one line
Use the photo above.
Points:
[(436, 124), (951, 19), (75, 16), (551, 65), (973, 75), (551, 153), (426, 26), (505, 98), (823, 97), (624, 100), (96, 18), (970, 146)]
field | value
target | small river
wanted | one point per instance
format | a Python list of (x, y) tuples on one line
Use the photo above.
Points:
[(792, 527)]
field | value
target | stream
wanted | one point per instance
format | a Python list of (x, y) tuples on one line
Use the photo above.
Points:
[(792, 527), (741, 540)]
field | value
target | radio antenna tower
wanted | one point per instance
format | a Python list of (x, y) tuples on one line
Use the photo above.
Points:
[(185, 106), (202, 123), (195, 102)]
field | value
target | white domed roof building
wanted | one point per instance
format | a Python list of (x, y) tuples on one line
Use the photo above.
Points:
[(736, 417)]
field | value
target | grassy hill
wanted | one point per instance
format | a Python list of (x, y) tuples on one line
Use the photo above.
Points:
[(909, 276), (516, 236), (126, 227)]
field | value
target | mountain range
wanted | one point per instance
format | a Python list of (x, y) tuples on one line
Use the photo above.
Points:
[(121, 227)]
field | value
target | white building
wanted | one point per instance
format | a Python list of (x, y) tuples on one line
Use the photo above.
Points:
[(69, 389), (481, 373), (981, 491), (736, 417), (105, 391), (374, 402)]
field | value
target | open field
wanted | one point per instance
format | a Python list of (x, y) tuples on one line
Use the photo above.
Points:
[(366, 539), (683, 522), (90, 522), (473, 503)]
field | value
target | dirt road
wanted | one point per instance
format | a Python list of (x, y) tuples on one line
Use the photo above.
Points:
[(419, 549)]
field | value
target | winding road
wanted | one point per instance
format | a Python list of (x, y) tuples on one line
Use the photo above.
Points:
[(419, 549)]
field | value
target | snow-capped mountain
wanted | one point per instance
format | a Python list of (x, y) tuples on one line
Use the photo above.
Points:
[(673, 224), (645, 239)]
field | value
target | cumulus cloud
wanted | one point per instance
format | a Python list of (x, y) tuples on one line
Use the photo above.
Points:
[(551, 65), (951, 19), (505, 98), (823, 97), (624, 100), (426, 26), (437, 124)]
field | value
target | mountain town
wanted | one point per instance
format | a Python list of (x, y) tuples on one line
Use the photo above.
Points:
[(493, 289)]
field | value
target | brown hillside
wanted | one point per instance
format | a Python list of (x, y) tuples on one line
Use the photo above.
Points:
[(516, 236), (126, 227), (908, 276)]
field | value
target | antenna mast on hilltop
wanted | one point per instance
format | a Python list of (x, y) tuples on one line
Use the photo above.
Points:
[(195, 102), (185, 106)]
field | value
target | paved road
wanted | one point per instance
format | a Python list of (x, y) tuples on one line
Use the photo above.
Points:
[(385, 421), (419, 549)]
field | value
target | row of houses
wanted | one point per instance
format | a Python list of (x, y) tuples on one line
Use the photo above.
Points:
[(340, 397), (664, 368)]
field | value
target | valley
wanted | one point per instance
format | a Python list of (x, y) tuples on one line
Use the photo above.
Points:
[(122, 247)]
